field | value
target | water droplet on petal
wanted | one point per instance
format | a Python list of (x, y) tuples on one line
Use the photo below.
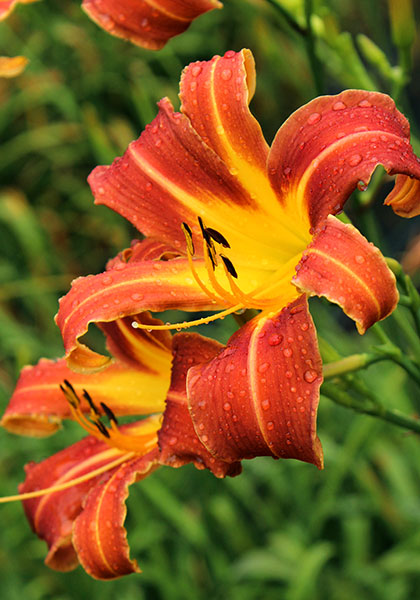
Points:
[(227, 406), (263, 368), (287, 352), (270, 425), (359, 259), (275, 339), (310, 376), (314, 118), (355, 160), (339, 106), (226, 74), (195, 71), (265, 404)]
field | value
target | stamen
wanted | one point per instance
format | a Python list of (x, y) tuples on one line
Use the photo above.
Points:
[(218, 237), (102, 429), (109, 413), (229, 266), (188, 238), (72, 482), (138, 443), (95, 411)]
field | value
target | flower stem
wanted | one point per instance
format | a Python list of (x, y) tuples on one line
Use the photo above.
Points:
[(374, 409), (351, 363)]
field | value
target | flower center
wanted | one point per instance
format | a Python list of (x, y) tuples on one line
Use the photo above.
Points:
[(140, 443), (220, 279)]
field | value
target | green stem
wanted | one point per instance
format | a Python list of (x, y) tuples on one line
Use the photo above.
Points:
[(316, 66), (373, 409), (351, 363), (293, 24)]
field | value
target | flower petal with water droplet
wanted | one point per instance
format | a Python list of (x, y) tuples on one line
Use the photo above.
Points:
[(343, 266), (270, 413), (352, 133)]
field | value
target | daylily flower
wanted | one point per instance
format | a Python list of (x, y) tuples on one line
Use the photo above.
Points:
[(11, 67), (147, 23), (82, 511), (251, 226)]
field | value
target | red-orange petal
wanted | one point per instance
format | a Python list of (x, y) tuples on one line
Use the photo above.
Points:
[(178, 440), (405, 197), (51, 516), (147, 23), (259, 396), (166, 177), (135, 383), (332, 144), (343, 266), (215, 95), (148, 351), (128, 290), (12, 67), (99, 536)]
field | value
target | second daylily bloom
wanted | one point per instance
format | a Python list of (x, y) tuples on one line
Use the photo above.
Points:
[(80, 509), (249, 226), (147, 23)]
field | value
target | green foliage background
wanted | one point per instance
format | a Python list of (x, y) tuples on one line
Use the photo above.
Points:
[(282, 529)]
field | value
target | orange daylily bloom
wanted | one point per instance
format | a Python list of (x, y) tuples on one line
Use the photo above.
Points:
[(249, 226), (85, 485), (147, 23), (11, 67)]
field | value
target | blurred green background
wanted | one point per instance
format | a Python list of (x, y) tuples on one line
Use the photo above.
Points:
[(282, 529)]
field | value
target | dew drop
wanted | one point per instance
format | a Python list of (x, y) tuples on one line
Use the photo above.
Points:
[(365, 104), (265, 404), (226, 74), (287, 352), (275, 339), (310, 376), (227, 406), (193, 86), (270, 425), (339, 106), (359, 259), (149, 186), (314, 118), (204, 439), (107, 280), (355, 160), (229, 54), (361, 186), (263, 368), (195, 71)]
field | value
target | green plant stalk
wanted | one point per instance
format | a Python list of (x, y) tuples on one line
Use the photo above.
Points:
[(316, 66), (393, 416)]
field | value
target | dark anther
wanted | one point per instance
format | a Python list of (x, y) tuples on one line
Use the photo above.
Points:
[(218, 237), (229, 266), (69, 385), (86, 395), (102, 428), (70, 394), (188, 237), (109, 413), (204, 231), (212, 256)]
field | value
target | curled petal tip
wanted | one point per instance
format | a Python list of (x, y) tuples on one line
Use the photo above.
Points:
[(145, 23), (343, 266)]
